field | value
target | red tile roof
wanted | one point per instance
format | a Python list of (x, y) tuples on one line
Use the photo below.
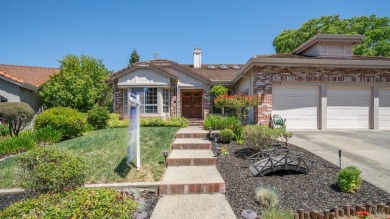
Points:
[(35, 76)]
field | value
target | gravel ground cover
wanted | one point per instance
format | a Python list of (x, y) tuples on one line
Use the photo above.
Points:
[(316, 190)]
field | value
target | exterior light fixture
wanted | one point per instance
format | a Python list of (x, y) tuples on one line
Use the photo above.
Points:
[(140, 215), (165, 153)]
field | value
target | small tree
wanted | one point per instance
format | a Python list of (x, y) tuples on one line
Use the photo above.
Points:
[(237, 102), (17, 114), (134, 57)]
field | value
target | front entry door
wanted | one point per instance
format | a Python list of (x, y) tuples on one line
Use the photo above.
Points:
[(192, 104)]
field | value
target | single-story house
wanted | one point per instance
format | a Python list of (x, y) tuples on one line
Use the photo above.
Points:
[(20, 83), (319, 85)]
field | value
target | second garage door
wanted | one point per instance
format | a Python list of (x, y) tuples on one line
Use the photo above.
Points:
[(348, 107), (384, 108), (299, 106)]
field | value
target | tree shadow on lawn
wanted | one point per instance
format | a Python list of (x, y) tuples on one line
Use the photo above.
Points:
[(123, 168)]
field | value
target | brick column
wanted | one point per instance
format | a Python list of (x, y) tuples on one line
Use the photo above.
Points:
[(119, 101), (262, 86), (206, 102)]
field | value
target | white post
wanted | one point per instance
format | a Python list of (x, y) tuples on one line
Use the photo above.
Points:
[(138, 136)]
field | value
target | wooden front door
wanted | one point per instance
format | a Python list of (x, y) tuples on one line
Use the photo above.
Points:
[(192, 104)]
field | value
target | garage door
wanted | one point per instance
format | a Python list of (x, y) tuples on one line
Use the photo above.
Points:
[(348, 108), (299, 106), (384, 108)]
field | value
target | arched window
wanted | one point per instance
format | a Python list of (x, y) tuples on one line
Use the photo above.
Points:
[(3, 99)]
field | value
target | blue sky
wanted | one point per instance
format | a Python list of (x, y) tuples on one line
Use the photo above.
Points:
[(41, 32)]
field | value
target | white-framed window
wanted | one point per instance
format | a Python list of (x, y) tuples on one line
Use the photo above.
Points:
[(148, 98), (125, 100), (166, 100), (3, 99)]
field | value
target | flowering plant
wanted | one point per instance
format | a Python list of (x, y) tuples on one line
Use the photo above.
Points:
[(362, 214), (239, 102)]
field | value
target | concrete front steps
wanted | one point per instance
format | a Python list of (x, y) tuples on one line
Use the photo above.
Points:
[(192, 186), (191, 180), (191, 158), (191, 165), (188, 143)]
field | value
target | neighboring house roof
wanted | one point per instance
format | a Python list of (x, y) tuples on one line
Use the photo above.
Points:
[(31, 77)]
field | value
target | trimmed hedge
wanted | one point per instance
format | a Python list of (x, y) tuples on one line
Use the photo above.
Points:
[(46, 170), (217, 122), (115, 122), (70, 122), (98, 117), (80, 203), (174, 121)]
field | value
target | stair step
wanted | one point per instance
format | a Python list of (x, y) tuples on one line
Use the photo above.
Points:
[(191, 143), (191, 180), (191, 158), (192, 135)]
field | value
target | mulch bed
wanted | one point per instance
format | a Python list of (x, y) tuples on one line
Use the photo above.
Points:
[(316, 190)]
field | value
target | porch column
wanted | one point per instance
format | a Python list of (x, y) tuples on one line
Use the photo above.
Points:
[(160, 101), (322, 120), (374, 108), (206, 102)]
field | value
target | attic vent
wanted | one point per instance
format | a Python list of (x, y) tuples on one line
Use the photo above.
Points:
[(223, 67), (235, 67), (211, 67)]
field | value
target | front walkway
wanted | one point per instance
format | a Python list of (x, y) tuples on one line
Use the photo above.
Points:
[(192, 186)]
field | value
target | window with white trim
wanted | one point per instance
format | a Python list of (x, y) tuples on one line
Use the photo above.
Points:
[(3, 99), (125, 101), (166, 100), (148, 98)]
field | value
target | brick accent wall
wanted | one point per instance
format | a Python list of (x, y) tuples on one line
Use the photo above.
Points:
[(265, 76), (118, 101)]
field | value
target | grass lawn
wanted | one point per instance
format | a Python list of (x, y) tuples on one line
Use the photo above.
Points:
[(105, 152)]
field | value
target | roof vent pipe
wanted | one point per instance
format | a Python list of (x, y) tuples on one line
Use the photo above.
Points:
[(197, 58)]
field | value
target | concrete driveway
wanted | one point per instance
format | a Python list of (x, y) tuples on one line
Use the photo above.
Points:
[(367, 147)]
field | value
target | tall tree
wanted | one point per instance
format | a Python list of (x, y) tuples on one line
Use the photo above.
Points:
[(80, 84), (134, 57), (375, 29)]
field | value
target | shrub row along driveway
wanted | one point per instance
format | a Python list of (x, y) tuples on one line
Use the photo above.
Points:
[(368, 147)]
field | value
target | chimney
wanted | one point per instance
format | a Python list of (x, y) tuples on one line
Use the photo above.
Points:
[(197, 58)]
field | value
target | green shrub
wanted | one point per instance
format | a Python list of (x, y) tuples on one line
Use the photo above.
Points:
[(46, 170), (152, 122), (17, 114), (286, 135), (217, 122), (349, 179), (70, 122), (115, 122), (260, 137), (177, 121), (275, 213), (47, 136), (98, 117), (227, 135), (79, 203), (4, 130), (266, 197), (16, 144)]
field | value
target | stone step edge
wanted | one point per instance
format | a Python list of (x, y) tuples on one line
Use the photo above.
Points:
[(196, 146), (191, 188), (192, 135), (188, 161)]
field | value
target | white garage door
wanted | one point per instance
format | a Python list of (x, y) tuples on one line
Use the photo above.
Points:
[(299, 106), (348, 108), (384, 108)]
